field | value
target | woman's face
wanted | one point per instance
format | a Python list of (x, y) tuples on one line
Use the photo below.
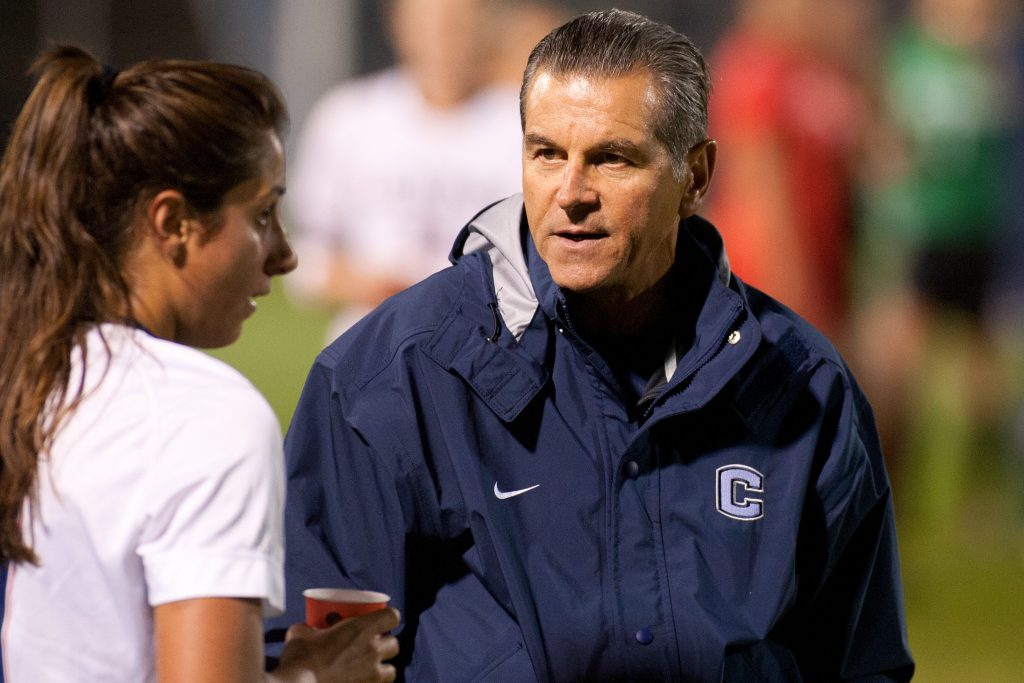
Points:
[(232, 256)]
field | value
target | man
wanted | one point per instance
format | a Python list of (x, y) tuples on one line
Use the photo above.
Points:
[(587, 452)]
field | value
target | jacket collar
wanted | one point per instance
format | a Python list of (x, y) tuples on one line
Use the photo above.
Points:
[(496, 336), (498, 231)]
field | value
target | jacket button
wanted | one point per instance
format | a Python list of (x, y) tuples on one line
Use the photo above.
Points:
[(631, 469), (644, 636)]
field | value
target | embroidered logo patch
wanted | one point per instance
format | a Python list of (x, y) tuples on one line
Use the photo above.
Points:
[(739, 492), (504, 495)]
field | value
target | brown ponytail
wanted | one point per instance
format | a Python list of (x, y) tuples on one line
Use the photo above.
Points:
[(87, 149)]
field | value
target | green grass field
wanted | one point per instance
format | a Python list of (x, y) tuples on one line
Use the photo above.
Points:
[(277, 348), (964, 580)]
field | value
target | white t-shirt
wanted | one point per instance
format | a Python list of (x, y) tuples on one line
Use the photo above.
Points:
[(390, 181), (165, 484)]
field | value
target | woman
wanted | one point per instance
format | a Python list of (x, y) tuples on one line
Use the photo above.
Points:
[(141, 487)]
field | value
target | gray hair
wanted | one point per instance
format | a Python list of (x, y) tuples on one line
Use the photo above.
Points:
[(615, 43)]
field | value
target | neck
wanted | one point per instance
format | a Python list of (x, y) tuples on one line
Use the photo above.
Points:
[(610, 319), (144, 273), (151, 318)]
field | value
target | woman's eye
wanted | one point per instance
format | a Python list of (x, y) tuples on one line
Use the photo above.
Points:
[(265, 218)]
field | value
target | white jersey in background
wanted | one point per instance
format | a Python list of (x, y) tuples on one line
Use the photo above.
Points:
[(389, 181)]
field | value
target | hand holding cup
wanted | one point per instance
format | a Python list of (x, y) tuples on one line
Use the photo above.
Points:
[(353, 649)]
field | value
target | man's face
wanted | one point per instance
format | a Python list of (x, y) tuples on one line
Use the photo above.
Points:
[(601, 199)]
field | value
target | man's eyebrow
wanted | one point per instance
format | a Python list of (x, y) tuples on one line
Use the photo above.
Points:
[(535, 140), (615, 145), (619, 145)]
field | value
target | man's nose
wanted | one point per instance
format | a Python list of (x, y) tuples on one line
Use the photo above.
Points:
[(575, 189)]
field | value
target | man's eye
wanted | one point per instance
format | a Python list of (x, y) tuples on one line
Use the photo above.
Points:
[(612, 158), (547, 154)]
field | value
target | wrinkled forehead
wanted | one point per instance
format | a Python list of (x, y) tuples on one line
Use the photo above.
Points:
[(630, 89)]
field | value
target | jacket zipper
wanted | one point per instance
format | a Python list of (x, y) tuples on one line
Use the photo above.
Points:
[(685, 383)]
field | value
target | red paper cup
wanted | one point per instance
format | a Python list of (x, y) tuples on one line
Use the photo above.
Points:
[(327, 606)]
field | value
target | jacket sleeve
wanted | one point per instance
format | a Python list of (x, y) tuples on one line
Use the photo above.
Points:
[(344, 517), (850, 624)]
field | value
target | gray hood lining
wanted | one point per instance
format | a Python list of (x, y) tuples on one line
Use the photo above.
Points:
[(496, 233)]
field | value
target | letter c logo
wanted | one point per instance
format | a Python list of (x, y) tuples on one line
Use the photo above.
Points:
[(735, 497)]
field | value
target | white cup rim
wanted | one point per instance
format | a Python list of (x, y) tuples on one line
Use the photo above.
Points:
[(349, 595)]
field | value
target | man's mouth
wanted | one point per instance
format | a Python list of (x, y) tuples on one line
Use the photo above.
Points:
[(580, 236)]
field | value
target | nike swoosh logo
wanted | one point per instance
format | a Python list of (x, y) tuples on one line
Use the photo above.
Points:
[(502, 495)]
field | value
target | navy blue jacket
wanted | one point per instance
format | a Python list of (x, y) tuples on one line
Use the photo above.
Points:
[(463, 450)]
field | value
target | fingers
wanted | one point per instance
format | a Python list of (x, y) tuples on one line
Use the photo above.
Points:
[(298, 631), (387, 647), (374, 622)]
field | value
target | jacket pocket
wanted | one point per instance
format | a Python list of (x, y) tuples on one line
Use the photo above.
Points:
[(514, 666)]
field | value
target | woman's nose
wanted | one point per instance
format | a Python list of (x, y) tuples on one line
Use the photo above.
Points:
[(282, 258)]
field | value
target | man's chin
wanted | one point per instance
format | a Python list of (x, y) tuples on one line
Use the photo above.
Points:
[(580, 284)]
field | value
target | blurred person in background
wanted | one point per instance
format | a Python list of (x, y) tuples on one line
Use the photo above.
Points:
[(388, 165), (1005, 301), (790, 108), (141, 481), (935, 203)]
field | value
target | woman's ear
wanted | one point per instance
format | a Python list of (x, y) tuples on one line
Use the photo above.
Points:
[(700, 163), (170, 223)]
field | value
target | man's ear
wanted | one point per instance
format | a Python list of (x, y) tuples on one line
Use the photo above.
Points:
[(700, 163), (170, 223)]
